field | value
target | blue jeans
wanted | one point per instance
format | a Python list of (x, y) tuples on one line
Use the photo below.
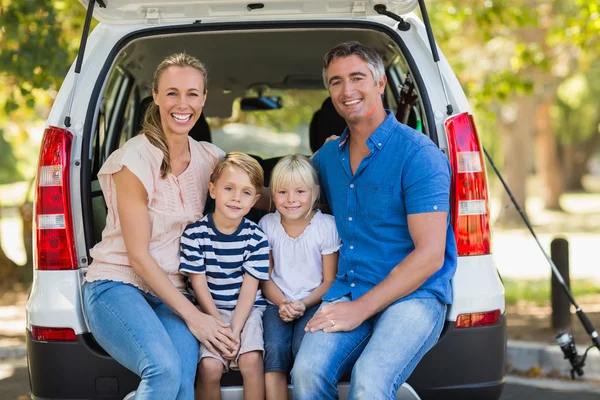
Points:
[(282, 339), (381, 353), (145, 336)]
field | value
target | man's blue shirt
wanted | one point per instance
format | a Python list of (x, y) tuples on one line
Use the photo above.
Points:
[(405, 173)]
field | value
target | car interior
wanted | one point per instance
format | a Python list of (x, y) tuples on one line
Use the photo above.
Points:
[(243, 67)]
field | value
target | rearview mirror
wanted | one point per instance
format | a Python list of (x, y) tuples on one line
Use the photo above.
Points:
[(261, 103)]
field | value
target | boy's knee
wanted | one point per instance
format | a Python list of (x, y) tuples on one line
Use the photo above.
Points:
[(211, 370), (251, 362)]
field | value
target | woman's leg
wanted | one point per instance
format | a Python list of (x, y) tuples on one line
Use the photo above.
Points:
[(251, 367), (186, 345), (127, 327), (278, 353), (209, 385)]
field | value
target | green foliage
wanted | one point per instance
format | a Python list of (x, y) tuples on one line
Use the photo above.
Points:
[(538, 290), (39, 40), (8, 162)]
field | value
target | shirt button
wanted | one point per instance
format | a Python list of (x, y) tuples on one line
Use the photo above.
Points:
[(379, 144), (352, 272), (352, 285), (349, 218), (351, 186), (351, 247)]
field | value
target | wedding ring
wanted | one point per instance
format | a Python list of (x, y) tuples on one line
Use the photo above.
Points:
[(332, 323)]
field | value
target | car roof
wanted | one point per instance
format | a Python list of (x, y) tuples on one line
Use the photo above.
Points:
[(186, 11)]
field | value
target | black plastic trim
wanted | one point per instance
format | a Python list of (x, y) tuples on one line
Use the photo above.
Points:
[(453, 369), (76, 370), (86, 197)]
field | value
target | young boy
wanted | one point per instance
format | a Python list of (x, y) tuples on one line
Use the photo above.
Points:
[(225, 256)]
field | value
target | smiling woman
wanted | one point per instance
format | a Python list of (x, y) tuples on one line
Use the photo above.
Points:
[(154, 186)]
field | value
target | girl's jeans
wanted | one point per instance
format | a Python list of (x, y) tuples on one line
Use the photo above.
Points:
[(382, 352), (144, 335)]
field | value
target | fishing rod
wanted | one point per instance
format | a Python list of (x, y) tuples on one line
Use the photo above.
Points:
[(564, 339)]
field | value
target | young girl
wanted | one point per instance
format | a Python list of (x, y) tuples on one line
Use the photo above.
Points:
[(304, 244)]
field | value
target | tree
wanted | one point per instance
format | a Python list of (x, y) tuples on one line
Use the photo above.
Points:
[(39, 39)]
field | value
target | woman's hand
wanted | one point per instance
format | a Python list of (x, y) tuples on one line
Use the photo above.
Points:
[(215, 335)]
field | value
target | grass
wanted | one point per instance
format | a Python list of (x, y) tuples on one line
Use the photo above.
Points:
[(537, 291)]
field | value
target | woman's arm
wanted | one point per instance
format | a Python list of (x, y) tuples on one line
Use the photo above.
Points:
[(330, 262), (135, 226)]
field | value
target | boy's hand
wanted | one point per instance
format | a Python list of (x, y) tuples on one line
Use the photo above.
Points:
[(230, 356)]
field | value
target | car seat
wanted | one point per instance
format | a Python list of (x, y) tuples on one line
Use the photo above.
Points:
[(325, 122)]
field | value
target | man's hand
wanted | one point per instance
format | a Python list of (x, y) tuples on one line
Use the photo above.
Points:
[(330, 138), (337, 317)]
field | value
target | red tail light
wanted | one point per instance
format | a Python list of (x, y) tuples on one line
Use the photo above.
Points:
[(41, 334), (470, 204), (55, 244), (478, 319)]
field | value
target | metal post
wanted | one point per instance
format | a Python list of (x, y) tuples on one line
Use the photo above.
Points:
[(561, 308)]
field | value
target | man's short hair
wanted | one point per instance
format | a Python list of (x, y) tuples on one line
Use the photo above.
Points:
[(244, 162), (346, 49)]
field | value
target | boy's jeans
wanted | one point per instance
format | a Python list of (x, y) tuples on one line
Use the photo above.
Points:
[(388, 347), (144, 335)]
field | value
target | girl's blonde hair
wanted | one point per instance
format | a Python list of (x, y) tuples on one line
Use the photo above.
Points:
[(298, 170), (152, 126)]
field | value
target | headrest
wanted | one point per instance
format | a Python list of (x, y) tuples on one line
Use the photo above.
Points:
[(325, 122)]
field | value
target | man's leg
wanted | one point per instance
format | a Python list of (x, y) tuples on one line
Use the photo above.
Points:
[(402, 334), (324, 358)]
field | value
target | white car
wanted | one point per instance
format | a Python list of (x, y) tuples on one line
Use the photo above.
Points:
[(272, 49)]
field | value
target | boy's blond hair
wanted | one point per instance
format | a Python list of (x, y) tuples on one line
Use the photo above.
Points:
[(295, 169), (244, 162)]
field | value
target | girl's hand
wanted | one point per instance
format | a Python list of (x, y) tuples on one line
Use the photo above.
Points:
[(284, 313), (292, 312), (215, 335), (299, 307)]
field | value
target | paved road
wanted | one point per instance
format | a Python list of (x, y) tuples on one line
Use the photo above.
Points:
[(14, 385)]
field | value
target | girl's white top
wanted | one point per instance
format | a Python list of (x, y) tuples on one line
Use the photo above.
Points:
[(298, 263)]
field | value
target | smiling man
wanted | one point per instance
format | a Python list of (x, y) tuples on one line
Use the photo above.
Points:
[(389, 189)]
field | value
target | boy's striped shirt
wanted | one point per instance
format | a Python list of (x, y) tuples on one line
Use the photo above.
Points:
[(225, 258)]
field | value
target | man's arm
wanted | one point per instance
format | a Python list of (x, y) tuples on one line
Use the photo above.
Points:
[(428, 232)]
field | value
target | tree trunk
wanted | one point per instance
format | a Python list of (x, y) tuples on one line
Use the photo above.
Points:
[(517, 133), (546, 157), (578, 160)]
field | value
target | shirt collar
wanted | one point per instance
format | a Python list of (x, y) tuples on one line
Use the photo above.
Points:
[(379, 137)]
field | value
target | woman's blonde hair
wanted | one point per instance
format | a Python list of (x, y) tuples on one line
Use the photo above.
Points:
[(244, 162), (152, 126), (295, 169)]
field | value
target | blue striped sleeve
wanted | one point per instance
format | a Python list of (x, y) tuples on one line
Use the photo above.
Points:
[(191, 254), (257, 260)]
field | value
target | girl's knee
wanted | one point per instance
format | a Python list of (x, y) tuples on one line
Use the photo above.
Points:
[(210, 370)]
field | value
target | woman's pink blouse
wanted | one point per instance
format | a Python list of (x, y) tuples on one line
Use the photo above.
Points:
[(173, 203)]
